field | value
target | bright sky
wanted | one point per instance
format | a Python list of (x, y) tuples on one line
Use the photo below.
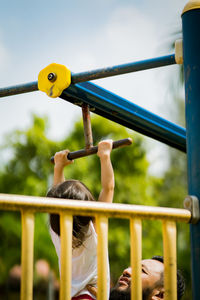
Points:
[(84, 35)]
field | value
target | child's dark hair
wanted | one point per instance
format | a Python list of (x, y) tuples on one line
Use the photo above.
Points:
[(72, 189)]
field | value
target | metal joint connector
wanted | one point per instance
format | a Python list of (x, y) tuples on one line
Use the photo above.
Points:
[(179, 51), (191, 203), (54, 79)]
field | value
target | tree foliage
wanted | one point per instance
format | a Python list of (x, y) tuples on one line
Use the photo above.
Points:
[(29, 172)]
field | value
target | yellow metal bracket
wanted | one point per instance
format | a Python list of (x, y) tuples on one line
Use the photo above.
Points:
[(191, 203), (179, 51), (54, 79)]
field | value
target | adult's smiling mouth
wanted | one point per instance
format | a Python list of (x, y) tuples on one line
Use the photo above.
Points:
[(124, 280)]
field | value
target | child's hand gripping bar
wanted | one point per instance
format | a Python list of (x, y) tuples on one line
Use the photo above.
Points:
[(93, 150)]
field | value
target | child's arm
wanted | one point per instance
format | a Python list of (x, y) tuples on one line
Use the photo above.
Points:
[(107, 174), (60, 161)]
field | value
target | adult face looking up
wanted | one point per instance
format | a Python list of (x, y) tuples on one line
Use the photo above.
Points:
[(152, 276), (152, 282)]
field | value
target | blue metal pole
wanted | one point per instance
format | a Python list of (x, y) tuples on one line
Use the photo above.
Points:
[(119, 110), (124, 68), (191, 57), (114, 107), (19, 89), (97, 74)]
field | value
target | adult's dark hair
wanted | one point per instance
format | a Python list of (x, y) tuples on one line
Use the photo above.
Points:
[(180, 278), (72, 189)]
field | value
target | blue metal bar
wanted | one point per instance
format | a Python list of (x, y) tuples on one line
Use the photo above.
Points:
[(19, 89), (97, 74), (119, 110), (191, 57), (124, 68), (116, 108)]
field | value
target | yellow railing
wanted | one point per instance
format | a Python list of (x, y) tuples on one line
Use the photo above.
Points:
[(101, 211)]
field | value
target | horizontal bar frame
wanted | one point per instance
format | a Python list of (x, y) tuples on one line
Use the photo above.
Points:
[(112, 210), (94, 149), (146, 64), (19, 89), (102, 211), (97, 74), (118, 109)]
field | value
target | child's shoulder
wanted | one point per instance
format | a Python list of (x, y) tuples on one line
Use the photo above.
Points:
[(91, 228)]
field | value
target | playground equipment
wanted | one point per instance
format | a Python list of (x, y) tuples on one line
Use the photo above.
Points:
[(101, 211), (91, 97)]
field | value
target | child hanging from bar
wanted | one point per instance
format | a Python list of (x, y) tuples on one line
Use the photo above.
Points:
[(84, 242)]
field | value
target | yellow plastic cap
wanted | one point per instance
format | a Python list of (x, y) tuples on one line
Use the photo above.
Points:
[(192, 4), (54, 79)]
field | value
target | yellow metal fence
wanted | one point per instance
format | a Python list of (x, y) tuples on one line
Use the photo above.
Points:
[(101, 211)]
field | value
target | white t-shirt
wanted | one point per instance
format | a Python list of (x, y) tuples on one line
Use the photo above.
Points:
[(84, 262)]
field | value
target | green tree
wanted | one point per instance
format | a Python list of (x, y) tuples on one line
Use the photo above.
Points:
[(133, 185), (29, 172), (26, 173)]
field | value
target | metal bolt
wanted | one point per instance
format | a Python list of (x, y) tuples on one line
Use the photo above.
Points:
[(188, 203), (52, 77)]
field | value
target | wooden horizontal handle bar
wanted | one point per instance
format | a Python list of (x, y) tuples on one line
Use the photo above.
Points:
[(93, 150)]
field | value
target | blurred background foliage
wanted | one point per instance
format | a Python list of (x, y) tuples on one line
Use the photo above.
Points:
[(28, 171)]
